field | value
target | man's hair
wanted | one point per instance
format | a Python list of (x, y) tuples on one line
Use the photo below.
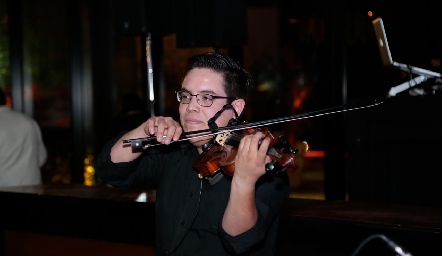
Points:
[(2, 97), (237, 81)]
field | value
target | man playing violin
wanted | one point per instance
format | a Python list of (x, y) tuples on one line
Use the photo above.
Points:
[(211, 215)]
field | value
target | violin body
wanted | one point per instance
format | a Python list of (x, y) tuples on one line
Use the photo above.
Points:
[(219, 154), (216, 158)]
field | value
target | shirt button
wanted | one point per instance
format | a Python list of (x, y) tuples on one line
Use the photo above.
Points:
[(191, 194)]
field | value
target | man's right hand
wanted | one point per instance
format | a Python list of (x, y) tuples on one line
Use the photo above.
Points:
[(164, 128)]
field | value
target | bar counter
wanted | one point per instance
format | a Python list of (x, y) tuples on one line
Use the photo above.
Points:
[(308, 227), (76, 220)]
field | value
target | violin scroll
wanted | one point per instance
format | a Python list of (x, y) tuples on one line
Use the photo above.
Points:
[(282, 155)]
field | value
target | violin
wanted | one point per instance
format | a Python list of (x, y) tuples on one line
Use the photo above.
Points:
[(220, 152)]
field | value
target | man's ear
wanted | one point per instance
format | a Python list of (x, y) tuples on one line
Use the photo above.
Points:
[(239, 105)]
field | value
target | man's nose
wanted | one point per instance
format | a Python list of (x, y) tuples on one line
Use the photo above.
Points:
[(193, 104)]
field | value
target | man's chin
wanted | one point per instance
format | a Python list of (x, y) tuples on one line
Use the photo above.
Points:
[(194, 128)]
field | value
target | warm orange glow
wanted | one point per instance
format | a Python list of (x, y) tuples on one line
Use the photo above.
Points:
[(4, 19), (89, 171), (435, 62), (8, 101), (292, 21), (299, 99), (370, 14), (314, 153)]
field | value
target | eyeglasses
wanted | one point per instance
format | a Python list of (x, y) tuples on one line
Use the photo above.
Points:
[(203, 99)]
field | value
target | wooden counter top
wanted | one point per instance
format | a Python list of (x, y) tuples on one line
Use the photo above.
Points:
[(308, 227), (94, 212)]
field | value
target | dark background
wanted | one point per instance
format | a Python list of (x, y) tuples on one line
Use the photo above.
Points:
[(326, 49)]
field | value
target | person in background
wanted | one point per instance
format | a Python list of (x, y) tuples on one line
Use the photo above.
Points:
[(22, 150), (197, 214)]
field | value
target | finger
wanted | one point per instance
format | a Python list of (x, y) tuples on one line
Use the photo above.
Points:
[(169, 135), (160, 123), (172, 130), (264, 146), (146, 129), (150, 124), (244, 145), (257, 140), (178, 130), (161, 133), (260, 146), (160, 128)]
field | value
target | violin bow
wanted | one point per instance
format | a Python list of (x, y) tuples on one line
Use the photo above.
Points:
[(144, 142)]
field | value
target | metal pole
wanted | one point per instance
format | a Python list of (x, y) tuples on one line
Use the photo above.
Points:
[(150, 74)]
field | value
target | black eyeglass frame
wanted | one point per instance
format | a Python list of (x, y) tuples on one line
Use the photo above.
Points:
[(213, 97)]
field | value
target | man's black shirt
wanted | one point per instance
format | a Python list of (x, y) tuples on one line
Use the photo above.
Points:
[(189, 210)]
